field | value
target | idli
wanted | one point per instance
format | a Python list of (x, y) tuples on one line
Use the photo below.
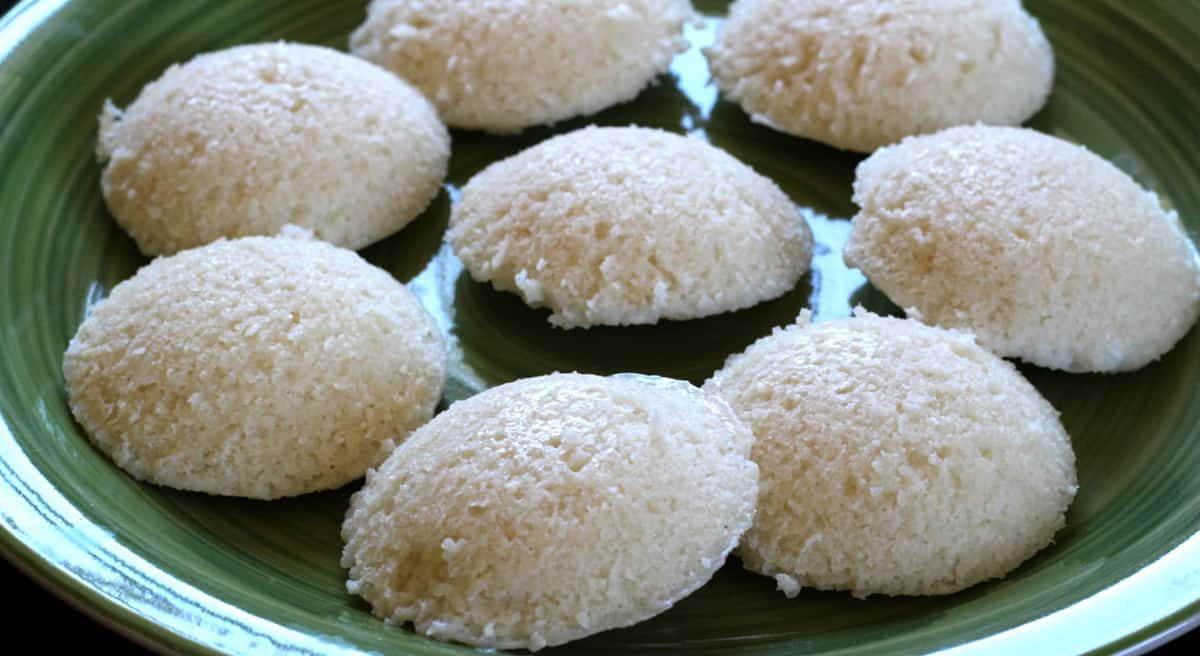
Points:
[(860, 75), (1044, 250), (619, 226), (895, 458), (262, 367), (503, 65), (246, 140), (552, 508)]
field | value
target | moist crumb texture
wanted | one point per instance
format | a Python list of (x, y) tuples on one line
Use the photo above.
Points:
[(895, 458), (261, 367), (246, 140), (503, 65), (619, 226), (865, 73), (1046, 251), (552, 508)]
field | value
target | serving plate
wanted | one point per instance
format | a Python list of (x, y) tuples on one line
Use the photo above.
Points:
[(193, 573)]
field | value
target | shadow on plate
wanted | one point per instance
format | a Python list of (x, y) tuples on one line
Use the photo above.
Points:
[(407, 253), (503, 339), (661, 105)]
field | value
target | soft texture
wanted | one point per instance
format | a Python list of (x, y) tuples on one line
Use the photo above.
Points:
[(619, 226), (864, 73), (245, 140), (503, 65), (895, 458), (262, 367), (1044, 250), (551, 508)]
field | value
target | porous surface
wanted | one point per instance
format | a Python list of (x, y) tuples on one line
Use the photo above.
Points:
[(1044, 250), (620, 226), (246, 140), (503, 65), (261, 367), (895, 458), (859, 75), (551, 508)]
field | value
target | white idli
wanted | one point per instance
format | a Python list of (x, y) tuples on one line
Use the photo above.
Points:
[(246, 140), (552, 508), (859, 75), (503, 65), (618, 226), (1044, 250), (262, 367), (895, 458)]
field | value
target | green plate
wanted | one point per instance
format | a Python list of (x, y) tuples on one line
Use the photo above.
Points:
[(194, 573)]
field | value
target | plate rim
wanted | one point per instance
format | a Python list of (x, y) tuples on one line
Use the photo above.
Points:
[(102, 609)]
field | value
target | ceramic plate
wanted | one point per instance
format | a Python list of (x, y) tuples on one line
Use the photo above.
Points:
[(194, 573)]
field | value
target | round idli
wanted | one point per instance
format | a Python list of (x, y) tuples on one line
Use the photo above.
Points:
[(1044, 250), (246, 140), (503, 65), (860, 75), (619, 226), (552, 508), (895, 458), (262, 367)]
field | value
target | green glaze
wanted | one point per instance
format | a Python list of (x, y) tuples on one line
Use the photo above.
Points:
[(194, 573)]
